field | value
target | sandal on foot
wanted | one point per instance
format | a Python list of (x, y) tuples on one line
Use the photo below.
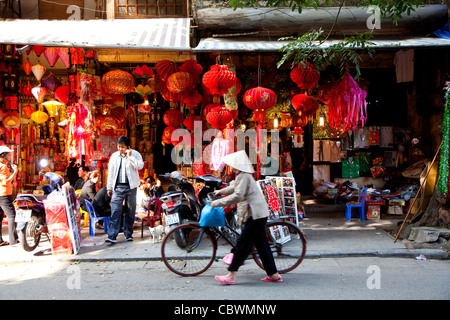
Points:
[(224, 280), (4, 243), (269, 279)]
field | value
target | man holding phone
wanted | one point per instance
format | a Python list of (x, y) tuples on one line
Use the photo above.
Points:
[(122, 184)]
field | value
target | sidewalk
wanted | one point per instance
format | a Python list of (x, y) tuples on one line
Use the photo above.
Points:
[(328, 235)]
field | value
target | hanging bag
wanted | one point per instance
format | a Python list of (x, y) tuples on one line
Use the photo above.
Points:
[(212, 217)]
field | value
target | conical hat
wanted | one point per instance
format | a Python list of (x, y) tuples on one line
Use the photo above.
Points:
[(239, 160)]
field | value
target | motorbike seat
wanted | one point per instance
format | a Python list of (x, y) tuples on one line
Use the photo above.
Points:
[(33, 197)]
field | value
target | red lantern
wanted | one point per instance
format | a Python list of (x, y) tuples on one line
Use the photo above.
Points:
[(192, 67), (169, 95), (219, 79), (38, 50), (51, 54), (306, 77), (77, 55), (63, 54), (165, 68), (27, 67), (26, 90), (219, 116), (260, 99), (189, 121), (191, 98), (118, 81), (28, 110), (173, 118), (179, 81), (302, 103), (62, 94), (167, 135), (298, 122)]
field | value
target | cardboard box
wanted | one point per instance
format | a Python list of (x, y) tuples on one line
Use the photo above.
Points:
[(373, 212), (395, 210)]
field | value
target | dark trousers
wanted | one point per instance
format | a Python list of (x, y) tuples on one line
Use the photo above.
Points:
[(6, 204), (121, 194), (253, 232)]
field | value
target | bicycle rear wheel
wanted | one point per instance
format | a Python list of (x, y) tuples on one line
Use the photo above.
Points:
[(188, 250), (288, 245)]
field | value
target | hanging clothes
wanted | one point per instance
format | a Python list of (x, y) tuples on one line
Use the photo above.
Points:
[(404, 65)]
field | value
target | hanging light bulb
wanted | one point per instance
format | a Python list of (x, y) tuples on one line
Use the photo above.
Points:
[(275, 123), (321, 120)]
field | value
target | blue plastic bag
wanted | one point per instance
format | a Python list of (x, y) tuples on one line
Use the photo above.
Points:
[(212, 217)]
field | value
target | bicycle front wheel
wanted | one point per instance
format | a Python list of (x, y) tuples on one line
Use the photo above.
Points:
[(188, 250), (288, 245)]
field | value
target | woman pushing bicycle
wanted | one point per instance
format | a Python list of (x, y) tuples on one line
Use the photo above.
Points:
[(252, 211)]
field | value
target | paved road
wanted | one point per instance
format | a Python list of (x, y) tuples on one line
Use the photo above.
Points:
[(369, 278)]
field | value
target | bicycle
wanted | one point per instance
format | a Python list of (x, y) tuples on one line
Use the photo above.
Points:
[(193, 250)]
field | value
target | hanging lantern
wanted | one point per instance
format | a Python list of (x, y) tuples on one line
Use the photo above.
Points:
[(39, 93), (303, 103), (306, 77), (39, 117), (179, 81), (189, 121), (167, 135), (38, 50), (51, 54), (11, 119), (77, 55), (219, 116), (219, 79), (26, 66), (63, 54), (191, 98), (26, 90), (260, 99), (28, 110), (51, 82), (298, 122), (165, 68), (118, 81), (52, 107), (173, 118), (38, 71), (169, 95), (62, 93), (192, 67)]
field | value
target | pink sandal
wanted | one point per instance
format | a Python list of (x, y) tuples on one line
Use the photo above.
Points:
[(269, 279), (224, 280)]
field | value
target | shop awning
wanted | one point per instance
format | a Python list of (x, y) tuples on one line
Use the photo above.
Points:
[(233, 44), (154, 34)]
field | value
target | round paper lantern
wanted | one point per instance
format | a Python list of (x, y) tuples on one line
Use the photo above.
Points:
[(28, 110), (179, 81), (63, 54), (39, 117), (62, 93), (173, 118), (118, 82), (192, 67), (306, 77), (38, 71), (219, 117), (39, 93), (260, 99), (298, 122), (302, 103), (219, 79), (169, 95), (51, 54), (38, 50), (51, 82), (189, 121), (192, 98), (26, 66), (52, 107), (165, 68), (167, 135)]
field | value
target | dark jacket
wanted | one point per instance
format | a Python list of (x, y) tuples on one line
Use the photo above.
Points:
[(101, 203), (87, 193)]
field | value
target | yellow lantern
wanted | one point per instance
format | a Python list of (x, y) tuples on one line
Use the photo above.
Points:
[(52, 107), (39, 117)]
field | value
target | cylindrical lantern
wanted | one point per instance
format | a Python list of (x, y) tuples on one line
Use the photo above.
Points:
[(306, 77), (260, 99), (219, 116), (173, 118), (219, 79)]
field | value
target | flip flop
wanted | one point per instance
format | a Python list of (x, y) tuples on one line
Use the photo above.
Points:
[(269, 279), (224, 280), (4, 243)]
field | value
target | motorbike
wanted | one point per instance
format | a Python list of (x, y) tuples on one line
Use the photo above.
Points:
[(30, 214)]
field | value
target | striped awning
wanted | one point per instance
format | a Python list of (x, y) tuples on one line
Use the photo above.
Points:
[(238, 44), (155, 34)]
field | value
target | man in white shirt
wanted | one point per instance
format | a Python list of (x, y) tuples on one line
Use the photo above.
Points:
[(122, 184)]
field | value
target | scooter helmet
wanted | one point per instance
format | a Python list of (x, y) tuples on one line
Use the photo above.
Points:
[(56, 181), (176, 177)]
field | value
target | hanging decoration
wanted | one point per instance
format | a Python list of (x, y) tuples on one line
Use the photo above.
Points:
[(63, 54), (189, 121), (38, 49), (167, 134), (26, 66), (305, 75), (173, 118), (118, 82), (192, 67), (39, 116), (51, 82), (51, 54), (260, 99), (26, 90), (298, 122), (169, 95), (191, 98), (62, 93), (11, 119), (78, 133), (347, 106), (77, 55), (443, 176), (39, 93), (179, 82), (52, 107), (219, 79), (165, 68), (38, 71), (28, 110), (218, 116), (304, 105)]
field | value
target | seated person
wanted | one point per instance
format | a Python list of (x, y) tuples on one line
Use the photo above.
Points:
[(89, 190), (152, 190), (83, 174), (102, 205)]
